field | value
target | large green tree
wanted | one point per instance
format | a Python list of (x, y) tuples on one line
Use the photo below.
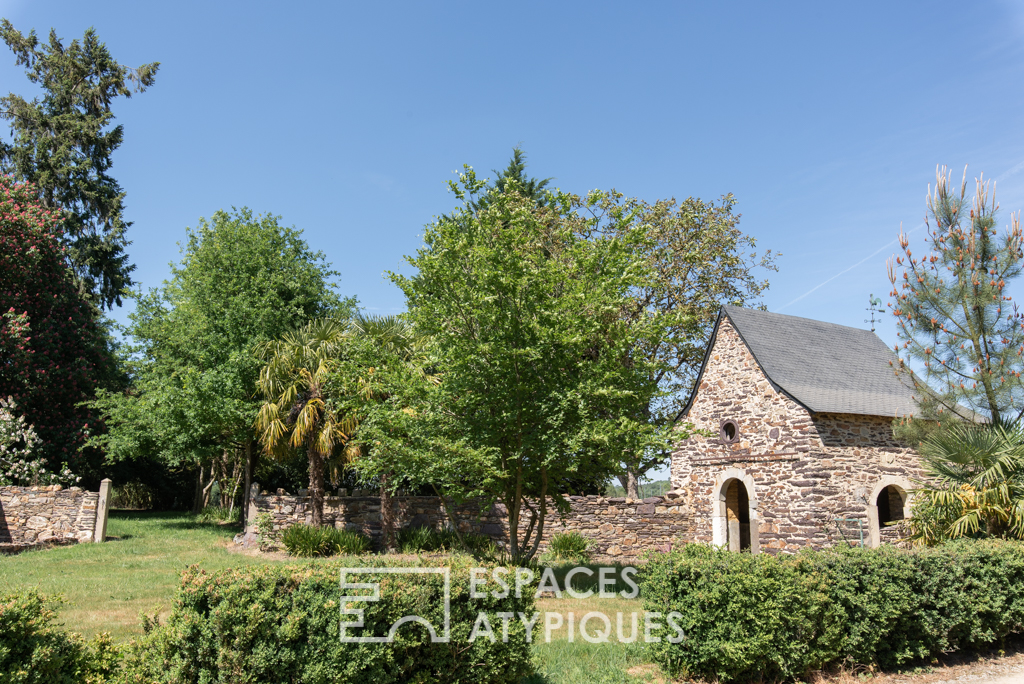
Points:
[(63, 142), (699, 260), (956, 323), (521, 303), (244, 281)]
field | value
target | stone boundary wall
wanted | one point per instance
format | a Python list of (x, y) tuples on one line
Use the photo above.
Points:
[(47, 515), (621, 528)]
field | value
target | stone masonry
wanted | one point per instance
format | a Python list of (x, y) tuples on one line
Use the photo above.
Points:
[(620, 528), (38, 515), (810, 477)]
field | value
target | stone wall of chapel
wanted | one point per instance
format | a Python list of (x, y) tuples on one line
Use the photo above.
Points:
[(812, 473)]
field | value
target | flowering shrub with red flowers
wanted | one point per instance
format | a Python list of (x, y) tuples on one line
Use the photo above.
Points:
[(18, 442), (52, 350)]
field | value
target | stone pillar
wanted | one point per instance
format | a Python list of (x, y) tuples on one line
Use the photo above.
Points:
[(250, 514), (102, 508)]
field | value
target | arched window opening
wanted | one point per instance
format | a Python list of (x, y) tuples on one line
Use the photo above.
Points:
[(729, 431), (737, 513), (890, 505)]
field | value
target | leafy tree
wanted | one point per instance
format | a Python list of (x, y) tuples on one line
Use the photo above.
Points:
[(244, 281), (955, 321), (699, 260), (521, 306), (296, 413), (64, 144), (976, 485), (53, 352)]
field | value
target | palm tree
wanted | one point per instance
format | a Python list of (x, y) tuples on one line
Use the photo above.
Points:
[(977, 484), (296, 413)]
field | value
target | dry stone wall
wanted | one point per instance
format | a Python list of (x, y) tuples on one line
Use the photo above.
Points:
[(814, 476), (620, 528), (46, 515)]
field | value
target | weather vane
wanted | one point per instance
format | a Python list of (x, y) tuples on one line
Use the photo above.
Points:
[(874, 306)]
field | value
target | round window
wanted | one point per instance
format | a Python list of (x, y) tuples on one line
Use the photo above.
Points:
[(730, 431)]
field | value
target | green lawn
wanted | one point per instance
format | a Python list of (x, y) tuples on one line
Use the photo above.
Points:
[(108, 585)]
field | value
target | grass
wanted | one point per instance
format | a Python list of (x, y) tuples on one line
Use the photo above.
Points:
[(107, 586)]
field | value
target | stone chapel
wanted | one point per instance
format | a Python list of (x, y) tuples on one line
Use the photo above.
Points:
[(799, 414)]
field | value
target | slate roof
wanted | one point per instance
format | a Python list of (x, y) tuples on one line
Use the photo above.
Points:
[(827, 368)]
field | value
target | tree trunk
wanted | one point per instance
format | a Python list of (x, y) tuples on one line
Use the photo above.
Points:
[(316, 485), (198, 497), (209, 485), (250, 467), (387, 515), (630, 482)]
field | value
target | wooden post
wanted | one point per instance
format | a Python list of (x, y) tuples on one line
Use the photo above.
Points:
[(99, 533)]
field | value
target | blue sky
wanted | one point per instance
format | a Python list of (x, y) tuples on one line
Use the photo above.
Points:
[(825, 120)]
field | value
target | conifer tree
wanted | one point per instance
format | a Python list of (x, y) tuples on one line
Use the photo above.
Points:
[(63, 143), (956, 323)]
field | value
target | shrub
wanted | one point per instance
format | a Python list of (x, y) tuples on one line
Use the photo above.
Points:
[(308, 540), (33, 650), (133, 495), (768, 617), (416, 539), (280, 624), (569, 546)]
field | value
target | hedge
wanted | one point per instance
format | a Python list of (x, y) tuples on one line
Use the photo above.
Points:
[(780, 617), (33, 650), (281, 624)]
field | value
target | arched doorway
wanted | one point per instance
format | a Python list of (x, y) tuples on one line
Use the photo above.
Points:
[(734, 516), (888, 502), (737, 514)]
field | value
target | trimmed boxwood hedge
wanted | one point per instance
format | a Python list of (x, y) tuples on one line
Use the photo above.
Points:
[(779, 617), (282, 624)]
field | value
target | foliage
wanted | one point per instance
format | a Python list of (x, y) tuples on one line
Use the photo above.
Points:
[(416, 539), (699, 260), (219, 514), (644, 489), (53, 352), (243, 281), (133, 495), (771, 618), (281, 624), (296, 413), (64, 144), (521, 307), (976, 484), (954, 318), (35, 651), (569, 546), (311, 540)]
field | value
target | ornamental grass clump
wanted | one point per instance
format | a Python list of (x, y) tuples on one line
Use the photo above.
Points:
[(426, 539), (307, 541), (569, 546)]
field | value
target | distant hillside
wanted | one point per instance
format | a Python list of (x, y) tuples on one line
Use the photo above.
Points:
[(656, 488)]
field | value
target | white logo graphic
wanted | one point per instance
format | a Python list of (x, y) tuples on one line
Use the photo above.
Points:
[(375, 596)]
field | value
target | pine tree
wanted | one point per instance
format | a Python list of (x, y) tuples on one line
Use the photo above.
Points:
[(955, 322)]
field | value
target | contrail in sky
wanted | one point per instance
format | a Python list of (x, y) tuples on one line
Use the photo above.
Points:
[(1016, 169), (847, 270)]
